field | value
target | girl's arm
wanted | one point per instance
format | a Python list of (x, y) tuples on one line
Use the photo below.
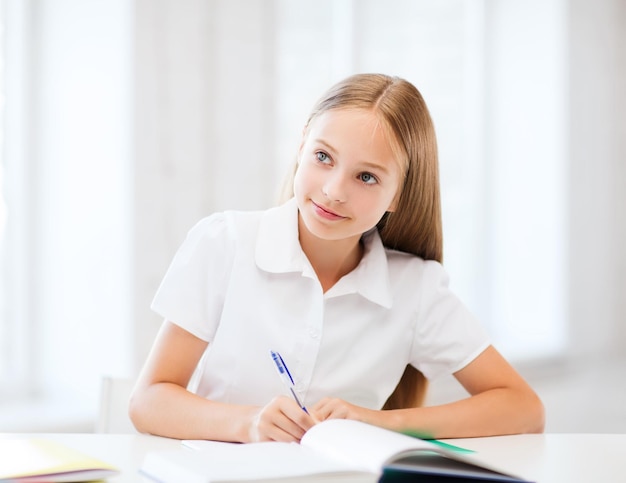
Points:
[(160, 403), (500, 402)]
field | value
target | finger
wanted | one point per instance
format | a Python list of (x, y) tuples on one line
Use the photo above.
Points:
[(302, 419), (334, 409), (320, 404), (324, 409), (275, 429), (283, 420), (315, 419), (279, 433)]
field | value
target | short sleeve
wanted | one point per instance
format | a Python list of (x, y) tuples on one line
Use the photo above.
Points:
[(191, 294), (447, 335)]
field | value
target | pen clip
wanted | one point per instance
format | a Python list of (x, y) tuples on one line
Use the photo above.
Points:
[(282, 367), (286, 376)]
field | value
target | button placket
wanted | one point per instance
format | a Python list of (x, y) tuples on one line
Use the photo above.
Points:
[(309, 345)]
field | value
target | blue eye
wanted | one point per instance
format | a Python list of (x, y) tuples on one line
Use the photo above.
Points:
[(368, 178), (321, 156)]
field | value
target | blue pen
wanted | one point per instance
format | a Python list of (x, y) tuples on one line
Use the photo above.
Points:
[(285, 375)]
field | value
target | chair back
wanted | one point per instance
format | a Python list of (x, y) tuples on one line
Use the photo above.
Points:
[(113, 414)]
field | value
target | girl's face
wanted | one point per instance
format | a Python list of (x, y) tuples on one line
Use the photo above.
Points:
[(347, 175)]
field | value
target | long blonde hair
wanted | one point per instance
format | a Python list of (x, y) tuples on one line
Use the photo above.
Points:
[(415, 226)]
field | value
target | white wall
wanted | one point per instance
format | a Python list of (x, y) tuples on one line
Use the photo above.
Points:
[(597, 177)]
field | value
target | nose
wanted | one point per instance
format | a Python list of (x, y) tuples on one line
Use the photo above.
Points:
[(335, 187)]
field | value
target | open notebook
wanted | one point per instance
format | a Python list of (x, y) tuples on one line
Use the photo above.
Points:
[(335, 450)]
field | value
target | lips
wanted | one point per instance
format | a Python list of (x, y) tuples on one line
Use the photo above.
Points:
[(326, 213)]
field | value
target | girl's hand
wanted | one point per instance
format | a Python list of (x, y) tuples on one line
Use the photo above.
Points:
[(280, 420), (334, 408)]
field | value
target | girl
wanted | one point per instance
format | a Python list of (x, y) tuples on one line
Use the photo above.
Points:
[(344, 279)]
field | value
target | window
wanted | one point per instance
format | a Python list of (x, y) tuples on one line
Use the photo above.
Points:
[(14, 216), (65, 274), (3, 306)]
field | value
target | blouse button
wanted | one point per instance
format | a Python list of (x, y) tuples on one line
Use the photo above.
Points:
[(313, 334)]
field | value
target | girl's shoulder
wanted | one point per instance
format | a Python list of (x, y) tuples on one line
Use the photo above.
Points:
[(231, 224), (408, 266), (240, 229)]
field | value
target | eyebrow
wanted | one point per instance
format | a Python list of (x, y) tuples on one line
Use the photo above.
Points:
[(367, 164)]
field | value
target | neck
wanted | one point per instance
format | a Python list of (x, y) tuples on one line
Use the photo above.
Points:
[(330, 259)]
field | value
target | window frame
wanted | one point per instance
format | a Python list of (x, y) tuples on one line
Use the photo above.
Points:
[(17, 283)]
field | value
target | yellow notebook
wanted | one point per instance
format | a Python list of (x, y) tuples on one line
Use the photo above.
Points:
[(39, 460)]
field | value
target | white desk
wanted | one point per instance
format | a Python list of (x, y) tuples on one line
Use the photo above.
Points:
[(556, 458), (548, 458)]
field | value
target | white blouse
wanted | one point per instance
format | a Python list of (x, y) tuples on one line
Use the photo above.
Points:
[(241, 282)]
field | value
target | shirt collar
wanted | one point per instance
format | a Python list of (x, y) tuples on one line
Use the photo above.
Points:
[(277, 248), (371, 277), (278, 251)]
